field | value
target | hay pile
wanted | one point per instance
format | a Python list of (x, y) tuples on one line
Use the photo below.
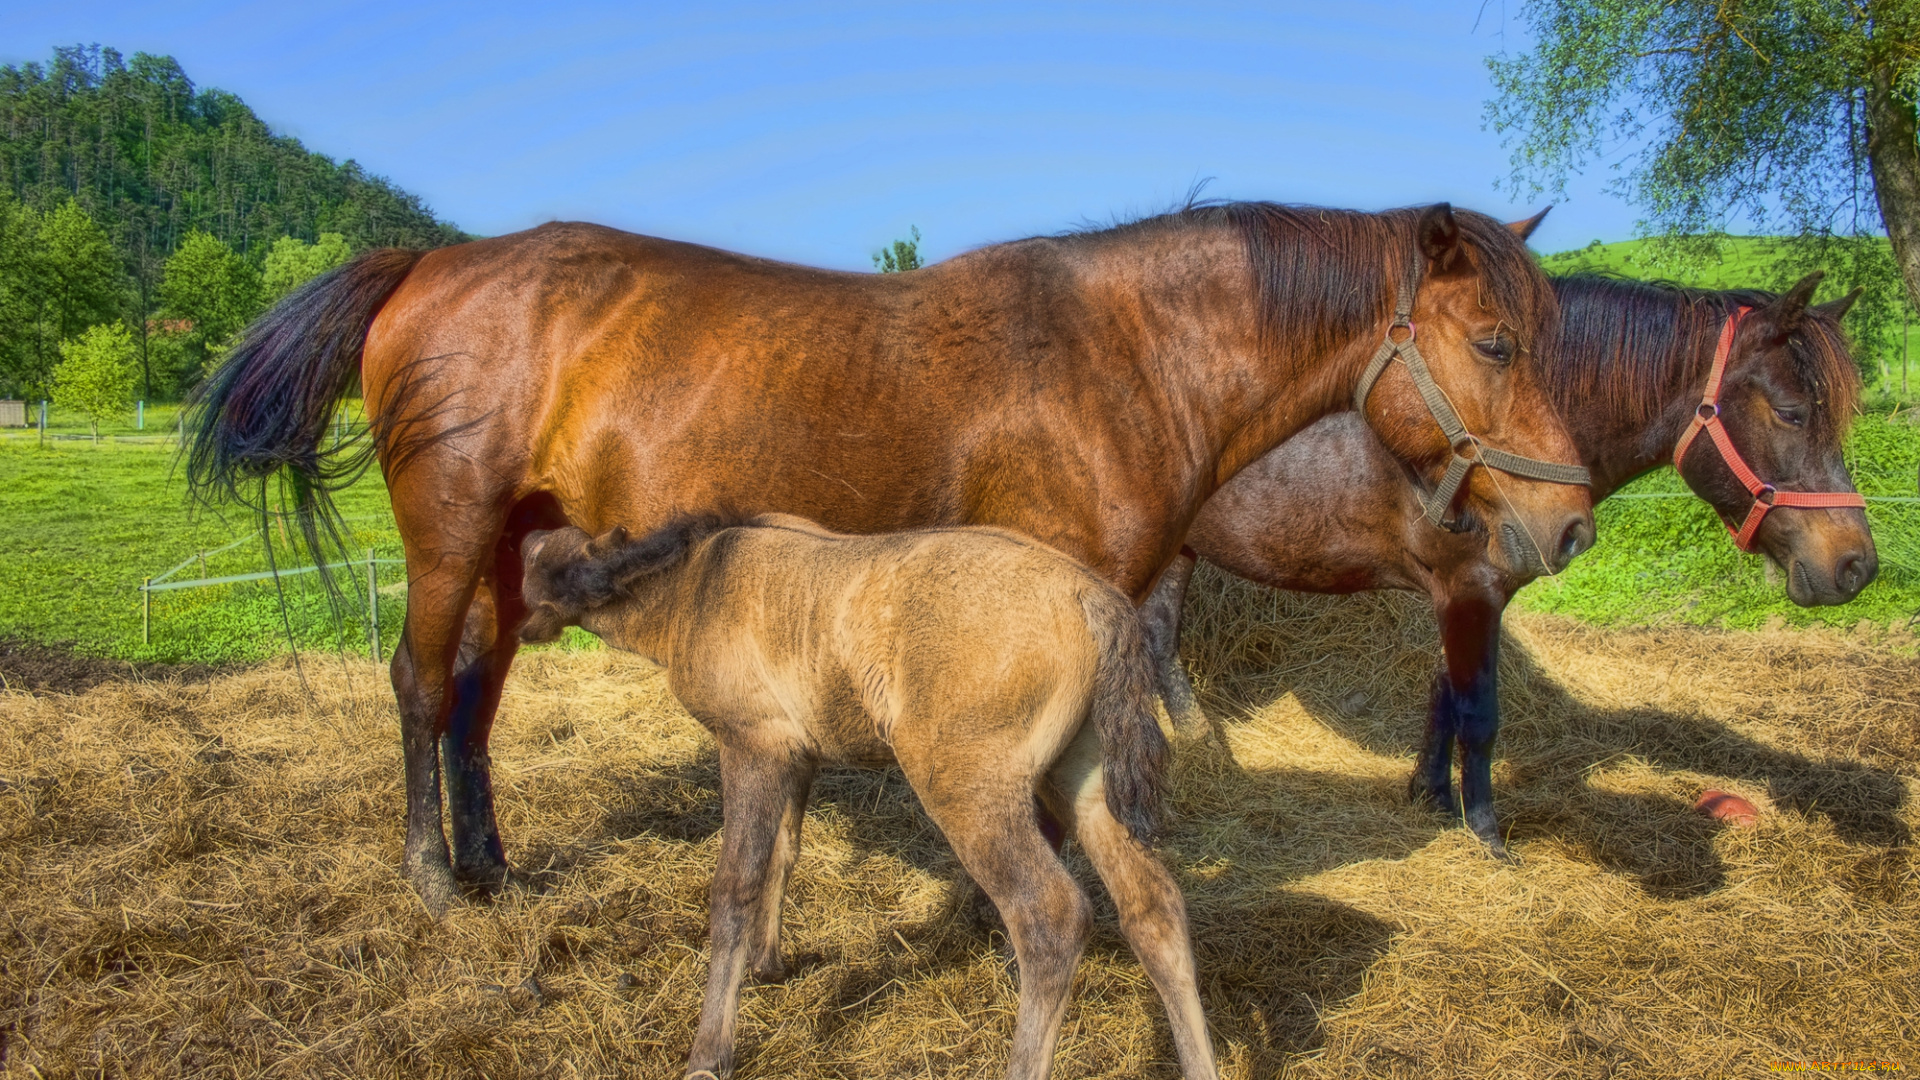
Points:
[(198, 877)]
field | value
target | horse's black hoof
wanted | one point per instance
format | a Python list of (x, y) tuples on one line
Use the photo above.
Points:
[(1439, 800), (485, 878)]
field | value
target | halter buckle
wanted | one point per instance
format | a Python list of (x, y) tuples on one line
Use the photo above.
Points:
[(1407, 325), (1765, 494), (1708, 410)]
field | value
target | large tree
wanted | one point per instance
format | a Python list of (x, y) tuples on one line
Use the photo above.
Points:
[(212, 291), (1778, 113)]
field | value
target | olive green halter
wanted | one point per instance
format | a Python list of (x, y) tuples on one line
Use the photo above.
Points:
[(1458, 437)]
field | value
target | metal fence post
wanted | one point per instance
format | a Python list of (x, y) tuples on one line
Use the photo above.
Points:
[(373, 605), (140, 415), (146, 612)]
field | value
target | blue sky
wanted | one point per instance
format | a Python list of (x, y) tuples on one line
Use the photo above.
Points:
[(819, 132)]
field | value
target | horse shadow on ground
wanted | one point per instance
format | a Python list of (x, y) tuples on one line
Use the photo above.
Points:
[(1273, 960), (1552, 743)]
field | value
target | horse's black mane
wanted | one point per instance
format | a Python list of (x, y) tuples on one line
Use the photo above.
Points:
[(1325, 275), (612, 565), (1630, 346)]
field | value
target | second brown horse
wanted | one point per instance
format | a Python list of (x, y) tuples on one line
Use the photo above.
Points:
[(1333, 512)]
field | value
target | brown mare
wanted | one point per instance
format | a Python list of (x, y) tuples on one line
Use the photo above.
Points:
[(1332, 512), (1087, 390), (992, 669)]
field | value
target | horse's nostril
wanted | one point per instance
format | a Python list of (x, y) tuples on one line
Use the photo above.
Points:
[(1577, 538), (1854, 573)]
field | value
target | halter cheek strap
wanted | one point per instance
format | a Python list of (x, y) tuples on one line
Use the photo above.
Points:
[(1459, 438), (1765, 495)]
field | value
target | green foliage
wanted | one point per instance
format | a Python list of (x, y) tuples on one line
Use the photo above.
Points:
[(1752, 109), (903, 256), (109, 166), (58, 276), (292, 262), (153, 158), (97, 374), (213, 290)]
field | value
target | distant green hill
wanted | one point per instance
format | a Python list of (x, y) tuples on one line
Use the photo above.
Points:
[(1742, 262), (151, 158)]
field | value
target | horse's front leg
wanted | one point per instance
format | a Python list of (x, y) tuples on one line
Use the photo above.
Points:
[(1469, 693), (1432, 782)]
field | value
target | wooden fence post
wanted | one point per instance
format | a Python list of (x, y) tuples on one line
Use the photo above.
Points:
[(373, 604), (146, 612)]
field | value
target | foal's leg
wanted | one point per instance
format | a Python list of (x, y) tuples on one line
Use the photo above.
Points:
[(1160, 618), (1153, 914), (758, 786), (764, 940), (988, 816)]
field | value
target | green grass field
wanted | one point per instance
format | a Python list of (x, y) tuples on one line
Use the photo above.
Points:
[(85, 524)]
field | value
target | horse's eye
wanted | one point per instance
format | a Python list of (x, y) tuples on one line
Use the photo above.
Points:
[(1795, 415), (1497, 349)]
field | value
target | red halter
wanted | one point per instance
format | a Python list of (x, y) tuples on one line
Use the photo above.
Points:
[(1765, 496)]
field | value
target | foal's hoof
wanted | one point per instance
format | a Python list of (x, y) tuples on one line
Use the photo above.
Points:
[(779, 971)]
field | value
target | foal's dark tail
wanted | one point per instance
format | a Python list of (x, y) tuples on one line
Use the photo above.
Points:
[(266, 410), (1134, 751)]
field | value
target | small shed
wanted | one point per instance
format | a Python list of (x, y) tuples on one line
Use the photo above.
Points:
[(13, 414)]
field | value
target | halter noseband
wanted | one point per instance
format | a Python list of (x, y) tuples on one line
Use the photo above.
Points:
[(1765, 495), (1458, 437)]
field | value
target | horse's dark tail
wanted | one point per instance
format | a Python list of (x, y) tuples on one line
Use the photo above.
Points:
[(1134, 751), (267, 409)]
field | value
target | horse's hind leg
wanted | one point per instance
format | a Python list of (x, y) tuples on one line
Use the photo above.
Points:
[(436, 608), (480, 670), (1160, 618), (1153, 914), (989, 818), (487, 647), (758, 787)]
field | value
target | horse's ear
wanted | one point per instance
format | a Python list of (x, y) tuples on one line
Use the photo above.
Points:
[(531, 544), (612, 540), (544, 623), (1524, 229), (1837, 309), (1438, 235), (1787, 311)]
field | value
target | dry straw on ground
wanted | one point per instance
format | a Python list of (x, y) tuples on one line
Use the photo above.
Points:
[(197, 876)]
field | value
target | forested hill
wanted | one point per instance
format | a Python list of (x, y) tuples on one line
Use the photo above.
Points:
[(151, 158), (130, 199)]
